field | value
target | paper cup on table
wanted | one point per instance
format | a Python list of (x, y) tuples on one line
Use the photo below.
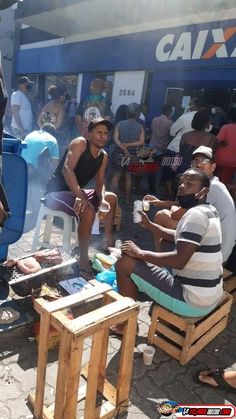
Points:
[(148, 354), (103, 210)]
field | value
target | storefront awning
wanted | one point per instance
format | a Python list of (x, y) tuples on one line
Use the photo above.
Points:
[(91, 19)]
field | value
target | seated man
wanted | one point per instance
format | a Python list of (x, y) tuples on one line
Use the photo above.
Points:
[(218, 196), (195, 287), (83, 161)]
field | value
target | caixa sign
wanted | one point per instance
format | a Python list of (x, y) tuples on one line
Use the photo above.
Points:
[(171, 49)]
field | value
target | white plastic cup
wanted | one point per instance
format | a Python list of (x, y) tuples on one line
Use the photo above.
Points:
[(138, 206), (146, 205), (148, 354), (103, 210)]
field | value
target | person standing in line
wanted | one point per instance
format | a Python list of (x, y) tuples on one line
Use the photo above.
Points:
[(22, 117), (183, 124), (160, 138), (226, 152), (54, 112), (160, 130), (128, 135)]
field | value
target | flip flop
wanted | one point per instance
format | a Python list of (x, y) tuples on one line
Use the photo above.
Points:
[(217, 375)]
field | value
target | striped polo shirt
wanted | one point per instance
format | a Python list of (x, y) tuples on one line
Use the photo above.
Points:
[(202, 276)]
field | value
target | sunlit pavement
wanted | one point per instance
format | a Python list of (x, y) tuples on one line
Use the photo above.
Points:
[(164, 379)]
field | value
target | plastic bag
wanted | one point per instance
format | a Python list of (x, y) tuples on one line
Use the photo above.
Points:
[(108, 277)]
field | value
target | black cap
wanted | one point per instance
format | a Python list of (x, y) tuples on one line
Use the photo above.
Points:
[(25, 80), (100, 120)]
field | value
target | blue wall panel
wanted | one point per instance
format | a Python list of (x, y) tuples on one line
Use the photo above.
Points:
[(129, 52)]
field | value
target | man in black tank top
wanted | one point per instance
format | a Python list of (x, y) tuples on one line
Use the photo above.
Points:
[(83, 161)]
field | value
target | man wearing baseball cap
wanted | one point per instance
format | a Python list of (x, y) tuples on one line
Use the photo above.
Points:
[(22, 117), (218, 196), (83, 161)]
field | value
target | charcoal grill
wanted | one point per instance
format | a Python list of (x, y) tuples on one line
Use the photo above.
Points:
[(23, 285)]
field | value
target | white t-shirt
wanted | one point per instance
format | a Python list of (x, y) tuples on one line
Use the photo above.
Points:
[(220, 197), (180, 127), (25, 113)]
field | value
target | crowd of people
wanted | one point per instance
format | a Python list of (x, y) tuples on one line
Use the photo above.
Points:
[(194, 229)]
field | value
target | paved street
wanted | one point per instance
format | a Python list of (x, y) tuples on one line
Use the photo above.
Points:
[(164, 379)]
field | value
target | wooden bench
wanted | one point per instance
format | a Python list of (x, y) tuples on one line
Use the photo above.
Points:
[(70, 394), (183, 337), (230, 283)]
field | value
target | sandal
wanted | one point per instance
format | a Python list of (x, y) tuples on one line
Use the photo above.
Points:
[(217, 375)]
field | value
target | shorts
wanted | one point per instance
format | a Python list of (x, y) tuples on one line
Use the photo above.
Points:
[(64, 201), (164, 289)]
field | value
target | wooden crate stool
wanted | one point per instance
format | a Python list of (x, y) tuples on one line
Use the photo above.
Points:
[(115, 309), (183, 337), (230, 283)]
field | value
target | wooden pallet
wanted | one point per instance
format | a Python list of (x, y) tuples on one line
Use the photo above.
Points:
[(115, 309), (183, 337), (230, 283)]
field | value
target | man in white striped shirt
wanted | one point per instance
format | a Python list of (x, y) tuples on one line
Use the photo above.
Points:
[(195, 287)]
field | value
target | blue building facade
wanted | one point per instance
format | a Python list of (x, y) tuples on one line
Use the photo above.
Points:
[(191, 59)]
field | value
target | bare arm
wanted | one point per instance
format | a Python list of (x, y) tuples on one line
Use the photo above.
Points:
[(75, 150), (15, 112), (159, 203), (162, 232), (177, 259)]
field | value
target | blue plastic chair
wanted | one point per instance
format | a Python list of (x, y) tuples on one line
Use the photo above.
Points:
[(15, 182)]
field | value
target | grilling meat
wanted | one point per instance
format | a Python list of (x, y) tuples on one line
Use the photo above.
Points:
[(28, 265), (10, 263), (49, 257)]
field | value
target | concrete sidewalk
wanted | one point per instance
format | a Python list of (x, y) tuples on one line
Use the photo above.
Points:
[(165, 379)]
